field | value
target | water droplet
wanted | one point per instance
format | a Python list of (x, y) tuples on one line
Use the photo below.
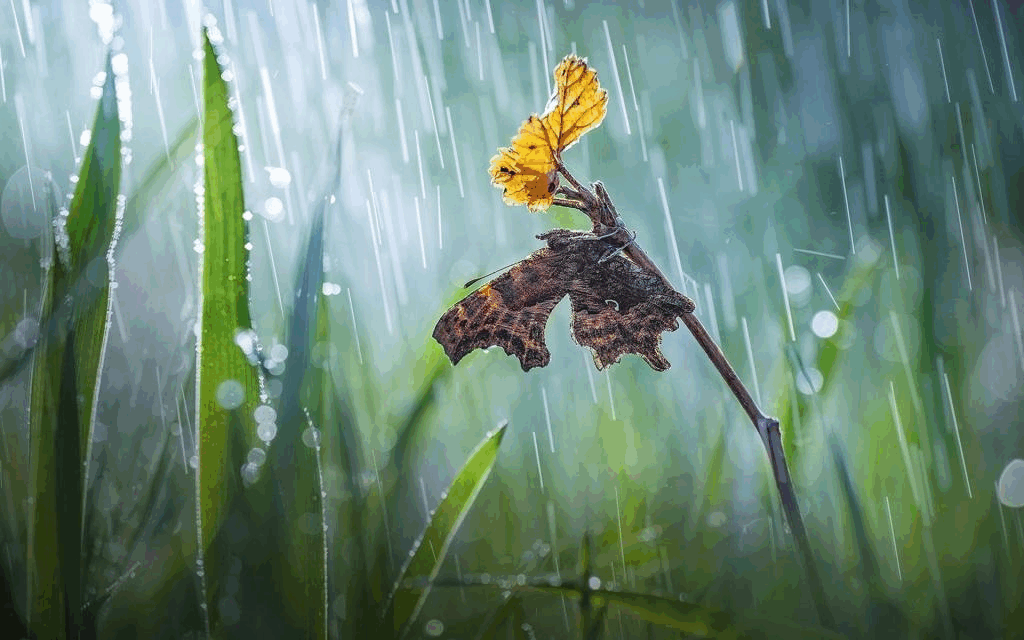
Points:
[(266, 431), (824, 324), (311, 437), (119, 63), (808, 380), (279, 177), (194, 462), (1011, 484), (279, 352), (257, 456), (716, 519), (264, 413), (230, 394), (246, 341), (250, 473), (594, 582), (273, 208), (798, 284), (434, 628)]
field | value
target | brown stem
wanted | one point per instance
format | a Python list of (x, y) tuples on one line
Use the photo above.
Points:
[(571, 204), (767, 428), (771, 437), (572, 179)]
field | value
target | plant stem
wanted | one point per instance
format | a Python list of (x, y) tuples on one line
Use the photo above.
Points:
[(767, 428)]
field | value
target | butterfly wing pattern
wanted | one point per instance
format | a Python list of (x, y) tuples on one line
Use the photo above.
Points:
[(617, 307)]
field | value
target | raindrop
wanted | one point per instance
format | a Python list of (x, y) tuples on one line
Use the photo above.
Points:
[(230, 394), (273, 208), (194, 462), (246, 341), (279, 177), (250, 473), (257, 456), (119, 63), (279, 352), (434, 628), (824, 324), (808, 380), (594, 582), (264, 413), (1011, 484), (266, 431), (798, 284), (311, 437), (85, 137)]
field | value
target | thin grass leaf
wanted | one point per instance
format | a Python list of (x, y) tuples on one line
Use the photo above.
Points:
[(296, 468), (75, 298), (69, 483), (430, 550), (226, 383), (154, 184), (14, 356), (510, 608)]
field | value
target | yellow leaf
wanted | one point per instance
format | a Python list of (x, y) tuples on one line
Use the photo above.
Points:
[(526, 171), (581, 102)]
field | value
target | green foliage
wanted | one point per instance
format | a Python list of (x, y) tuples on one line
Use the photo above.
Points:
[(65, 379)]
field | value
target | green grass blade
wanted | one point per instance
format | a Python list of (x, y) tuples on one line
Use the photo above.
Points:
[(69, 484), (76, 297), (224, 310), (13, 356), (429, 553), (296, 468)]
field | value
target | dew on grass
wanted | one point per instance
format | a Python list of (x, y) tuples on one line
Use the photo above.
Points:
[(266, 431), (264, 413), (230, 394), (311, 437)]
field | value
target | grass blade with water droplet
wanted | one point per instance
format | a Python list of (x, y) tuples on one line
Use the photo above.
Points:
[(65, 378), (427, 557), (224, 310)]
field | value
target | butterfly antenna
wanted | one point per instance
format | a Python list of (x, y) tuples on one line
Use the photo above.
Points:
[(487, 275)]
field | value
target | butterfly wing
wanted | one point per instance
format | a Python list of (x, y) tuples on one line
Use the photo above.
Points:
[(510, 312), (619, 308)]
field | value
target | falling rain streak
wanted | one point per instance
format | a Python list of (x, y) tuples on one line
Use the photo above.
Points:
[(963, 240), (615, 74)]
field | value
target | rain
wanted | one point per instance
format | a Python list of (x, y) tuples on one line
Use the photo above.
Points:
[(836, 185)]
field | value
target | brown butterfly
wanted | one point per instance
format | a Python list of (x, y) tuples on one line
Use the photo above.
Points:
[(618, 306)]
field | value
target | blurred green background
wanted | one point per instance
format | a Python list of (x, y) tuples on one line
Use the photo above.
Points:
[(856, 161)]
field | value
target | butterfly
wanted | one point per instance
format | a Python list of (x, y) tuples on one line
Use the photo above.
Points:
[(618, 305)]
